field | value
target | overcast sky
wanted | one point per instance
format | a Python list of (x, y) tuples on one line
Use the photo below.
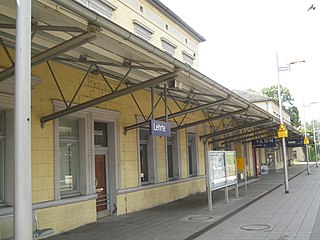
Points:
[(243, 37)]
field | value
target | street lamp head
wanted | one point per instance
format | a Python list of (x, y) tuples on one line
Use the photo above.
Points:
[(309, 104), (303, 61)]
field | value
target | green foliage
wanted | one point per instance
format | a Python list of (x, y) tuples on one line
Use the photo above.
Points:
[(273, 93), (287, 100), (294, 116)]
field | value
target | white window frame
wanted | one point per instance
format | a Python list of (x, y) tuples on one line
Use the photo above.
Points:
[(187, 58), (152, 157), (83, 155), (102, 7), (87, 149), (168, 46), (194, 150), (6, 106), (142, 31), (175, 158), (72, 140)]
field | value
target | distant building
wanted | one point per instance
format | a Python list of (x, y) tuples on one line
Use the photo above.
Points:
[(270, 105), (266, 103)]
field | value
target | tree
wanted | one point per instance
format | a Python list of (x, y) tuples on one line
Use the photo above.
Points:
[(273, 93), (287, 102), (294, 116)]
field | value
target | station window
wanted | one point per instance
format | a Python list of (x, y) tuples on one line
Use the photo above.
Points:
[(173, 156), (168, 47), (103, 8), (294, 154), (192, 156), (142, 31), (69, 156), (6, 156), (144, 158), (187, 58)]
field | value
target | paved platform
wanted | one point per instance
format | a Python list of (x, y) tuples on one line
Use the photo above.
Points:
[(263, 212)]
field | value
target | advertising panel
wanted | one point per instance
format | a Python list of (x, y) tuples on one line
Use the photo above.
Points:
[(217, 169), (222, 169), (231, 167)]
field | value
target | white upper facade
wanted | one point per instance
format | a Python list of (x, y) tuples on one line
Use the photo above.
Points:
[(155, 23)]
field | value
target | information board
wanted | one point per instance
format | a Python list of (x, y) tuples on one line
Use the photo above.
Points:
[(222, 169), (231, 165), (217, 169)]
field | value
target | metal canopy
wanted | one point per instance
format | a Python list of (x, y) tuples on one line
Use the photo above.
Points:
[(118, 55)]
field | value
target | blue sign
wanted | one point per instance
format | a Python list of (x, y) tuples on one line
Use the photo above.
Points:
[(295, 143), (158, 128), (264, 143)]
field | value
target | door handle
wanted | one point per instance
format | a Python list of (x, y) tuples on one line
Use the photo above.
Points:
[(98, 190)]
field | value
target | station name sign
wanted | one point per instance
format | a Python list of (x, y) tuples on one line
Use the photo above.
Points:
[(264, 143), (159, 128), (295, 143)]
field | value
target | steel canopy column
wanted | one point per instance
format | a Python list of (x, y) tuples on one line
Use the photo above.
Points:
[(22, 125)]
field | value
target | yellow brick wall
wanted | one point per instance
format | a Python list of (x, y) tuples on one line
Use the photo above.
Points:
[(161, 160), (66, 217), (251, 169), (60, 218), (238, 148), (125, 14), (6, 226), (148, 198)]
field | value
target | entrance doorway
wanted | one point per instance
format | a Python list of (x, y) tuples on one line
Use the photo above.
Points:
[(101, 168), (101, 183)]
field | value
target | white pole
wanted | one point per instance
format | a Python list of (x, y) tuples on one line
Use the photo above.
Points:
[(209, 190), (22, 124), (315, 143), (305, 136), (285, 167)]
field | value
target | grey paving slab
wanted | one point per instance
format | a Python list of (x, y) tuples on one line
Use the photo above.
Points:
[(291, 215), (265, 202)]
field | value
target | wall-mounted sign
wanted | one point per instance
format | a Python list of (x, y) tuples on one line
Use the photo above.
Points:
[(295, 143), (240, 164), (158, 128), (264, 143)]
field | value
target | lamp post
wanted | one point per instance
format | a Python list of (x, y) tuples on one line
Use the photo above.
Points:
[(285, 169), (305, 135), (315, 143)]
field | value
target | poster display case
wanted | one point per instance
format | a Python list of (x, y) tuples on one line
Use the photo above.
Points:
[(222, 169), (221, 173)]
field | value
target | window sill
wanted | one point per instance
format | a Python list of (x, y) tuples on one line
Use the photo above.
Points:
[(64, 201), (161, 184), (8, 210)]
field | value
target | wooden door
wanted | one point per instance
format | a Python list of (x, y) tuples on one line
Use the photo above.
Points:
[(101, 183)]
